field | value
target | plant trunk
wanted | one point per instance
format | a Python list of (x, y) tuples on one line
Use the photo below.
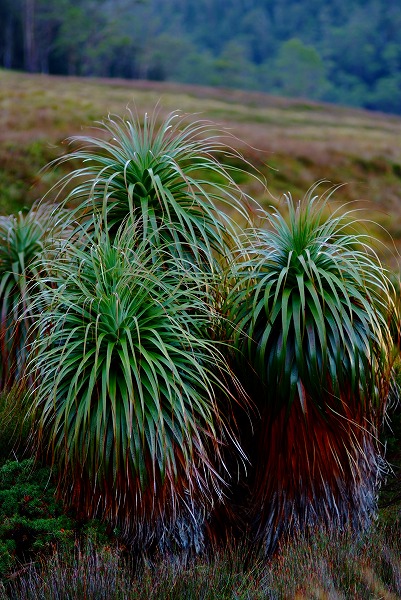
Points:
[(315, 469)]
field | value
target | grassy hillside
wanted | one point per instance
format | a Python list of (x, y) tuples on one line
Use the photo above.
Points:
[(292, 143)]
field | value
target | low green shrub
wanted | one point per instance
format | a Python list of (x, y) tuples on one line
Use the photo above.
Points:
[(33, 523), (31, 520)]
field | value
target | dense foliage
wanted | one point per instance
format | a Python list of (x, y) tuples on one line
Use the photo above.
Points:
[(166, 351), (345, 51), (131, 401), (165, 176), (31, 519), (24, 240), (310, 305), (132, 396)]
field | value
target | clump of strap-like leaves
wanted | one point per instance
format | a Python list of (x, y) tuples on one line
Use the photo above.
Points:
[(166, 176), (309, 307), (132, 400), (24, 239)]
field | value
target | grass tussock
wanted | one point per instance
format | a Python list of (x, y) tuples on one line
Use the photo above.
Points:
[(319, 566)]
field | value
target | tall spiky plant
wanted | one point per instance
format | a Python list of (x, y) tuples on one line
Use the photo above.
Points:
[(129, 396), (24, 239), (309, 308), (165, 176)]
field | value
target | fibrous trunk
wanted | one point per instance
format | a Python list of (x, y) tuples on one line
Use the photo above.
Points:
[(315, 468)]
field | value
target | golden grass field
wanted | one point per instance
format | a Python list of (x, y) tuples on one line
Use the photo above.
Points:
[(292, 143)]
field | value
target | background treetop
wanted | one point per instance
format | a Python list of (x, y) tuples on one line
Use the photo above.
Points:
[(345, 51)]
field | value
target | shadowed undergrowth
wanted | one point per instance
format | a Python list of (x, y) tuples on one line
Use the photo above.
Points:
[(330, 567)]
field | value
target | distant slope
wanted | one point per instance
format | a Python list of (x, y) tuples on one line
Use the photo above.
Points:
[(293, 144), (345, 51)]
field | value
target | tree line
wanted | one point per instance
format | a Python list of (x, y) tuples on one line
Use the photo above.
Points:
[(345, 51)]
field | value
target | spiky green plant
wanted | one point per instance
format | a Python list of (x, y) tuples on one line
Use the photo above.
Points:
[(130, 396), (23, 241), (166, 176), (309, 307)]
